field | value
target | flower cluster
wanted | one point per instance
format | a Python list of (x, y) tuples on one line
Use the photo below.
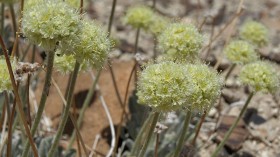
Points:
[(163, 86), (48, 23), (92, 46), (206, 86), (254, 32), (139, 17), (181, 42), (66, 63), (158, 24), (5, 81), (261, 76), (241, 52)]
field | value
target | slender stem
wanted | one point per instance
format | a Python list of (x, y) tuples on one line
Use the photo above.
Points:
[(9, 144), (233, 126), (184, 131), (33, 54), (229, 71), (28, 101), (10, 129), (149, 135), (156, 145), (2, 18), (84, 107), (135, 52), (199, 127), (123, 110), (13, 18), (19, 103), (45, 93), (112, 16), (66, 111), (140, 137), (154, 4)]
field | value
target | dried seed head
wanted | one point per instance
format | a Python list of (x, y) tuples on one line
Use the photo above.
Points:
[(48, 23), (241, 52), (255, 33), (164, 86), (139, 17), (261, 76), (181, 42), (206, 86)]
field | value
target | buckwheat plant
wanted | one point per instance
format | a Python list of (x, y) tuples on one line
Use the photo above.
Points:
[(255, 33), (164, 87), (180, 42), (158, 24), (206, 88), (260, 76)]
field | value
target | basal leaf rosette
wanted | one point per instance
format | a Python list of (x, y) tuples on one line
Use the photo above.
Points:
[(181, 42), (206, 84), (241, 52), (139, 17), (5, 81), (48, 23), (261, 76), (92, 45), (164, 86), (255, 33)]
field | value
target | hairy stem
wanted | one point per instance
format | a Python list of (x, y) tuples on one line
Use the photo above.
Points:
[(149, 135), (233, 126), (84, 107), (65, 112), (43, 100), (184, 132)]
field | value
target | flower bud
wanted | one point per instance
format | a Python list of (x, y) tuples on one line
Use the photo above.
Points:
[(261, 76), (241, 52), (255, 33)]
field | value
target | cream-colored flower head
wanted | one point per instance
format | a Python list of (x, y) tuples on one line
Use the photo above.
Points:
[(254, 32), (181, 42), (158, 24), (206, 86), (92, 45), (5, 81), (48, 23), (261, 76), (139, 17), (241, 52), (66, 63), (164, 86), (31, 3)]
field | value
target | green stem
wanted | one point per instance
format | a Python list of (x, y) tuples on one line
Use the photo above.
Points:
[(135, 52), (149, 135), (13, 18), (184, 131), (43, 100), (140, 137), (84, 107), (233, 126), (66, 111), (154, 4), (112, 16)]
